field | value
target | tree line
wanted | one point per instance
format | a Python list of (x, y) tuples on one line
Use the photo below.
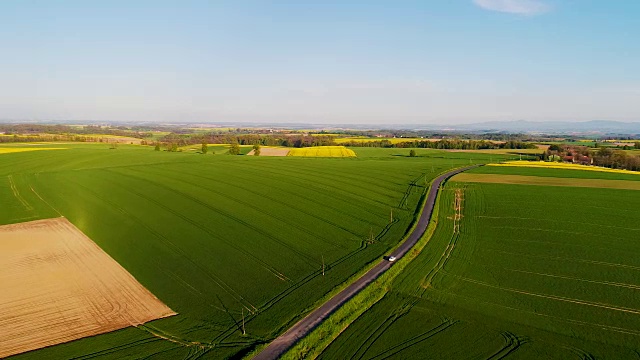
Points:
[(445, 144), (30, 130), (249, 139)]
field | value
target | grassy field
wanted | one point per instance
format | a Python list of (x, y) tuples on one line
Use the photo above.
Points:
[(219, 237), (521, 271)]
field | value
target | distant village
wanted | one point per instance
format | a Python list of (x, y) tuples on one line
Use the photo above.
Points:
[(612, 157)]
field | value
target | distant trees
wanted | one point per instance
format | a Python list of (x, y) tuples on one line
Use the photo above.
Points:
[(412, 153), (157, 148), (235, 149), (288, 140), (172, 147), (459, 144), (66, 132), (204, 149), (555, 147), (256, 150), (637, 145)]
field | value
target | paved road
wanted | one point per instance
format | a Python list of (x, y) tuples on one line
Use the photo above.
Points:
[(304, 326)]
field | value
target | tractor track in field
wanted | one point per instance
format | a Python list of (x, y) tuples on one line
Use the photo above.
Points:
[(512, 343), (282, 343)]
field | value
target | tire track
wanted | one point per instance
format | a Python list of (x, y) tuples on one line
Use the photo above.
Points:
[(17, 195), (512, 343)]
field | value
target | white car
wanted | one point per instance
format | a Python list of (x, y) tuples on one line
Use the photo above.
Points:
[(392, 258)]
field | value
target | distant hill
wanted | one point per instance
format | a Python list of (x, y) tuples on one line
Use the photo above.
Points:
[(556, 127)]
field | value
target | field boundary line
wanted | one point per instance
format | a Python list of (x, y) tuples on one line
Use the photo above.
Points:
[(610, 283), (571, 259), (557, 318), (45, 201), (552, 297), (554, 220)]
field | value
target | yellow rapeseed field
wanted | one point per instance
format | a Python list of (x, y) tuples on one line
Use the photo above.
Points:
[(322, 151), (9, 150), (557, 165)]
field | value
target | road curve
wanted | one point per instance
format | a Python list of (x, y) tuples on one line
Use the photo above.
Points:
[(283, 342)]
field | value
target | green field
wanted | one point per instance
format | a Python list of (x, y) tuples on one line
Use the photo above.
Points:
[(527, 272), (218, 236)]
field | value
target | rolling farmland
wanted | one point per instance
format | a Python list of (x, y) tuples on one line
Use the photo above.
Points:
[(219, 238), (523, 271)]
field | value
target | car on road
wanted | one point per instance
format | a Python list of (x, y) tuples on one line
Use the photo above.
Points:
[(392, 258)]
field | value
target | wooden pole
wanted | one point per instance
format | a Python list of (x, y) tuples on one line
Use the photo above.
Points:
[(243, 330)]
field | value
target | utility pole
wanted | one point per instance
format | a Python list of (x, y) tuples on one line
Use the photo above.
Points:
[(322, 265), (243, 331), (391, 215)]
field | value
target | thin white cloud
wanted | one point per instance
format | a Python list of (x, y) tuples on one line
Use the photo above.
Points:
[(520, 7)]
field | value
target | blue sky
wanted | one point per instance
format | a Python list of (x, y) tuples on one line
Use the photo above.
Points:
[(356, 62)]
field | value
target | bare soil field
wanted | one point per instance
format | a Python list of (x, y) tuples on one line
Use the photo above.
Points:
[(59, 286), (546, 181), (267, 151)]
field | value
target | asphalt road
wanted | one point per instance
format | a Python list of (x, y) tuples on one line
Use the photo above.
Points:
[(304, 326)]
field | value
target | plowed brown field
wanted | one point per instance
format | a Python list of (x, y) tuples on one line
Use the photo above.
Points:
[(57, 285)]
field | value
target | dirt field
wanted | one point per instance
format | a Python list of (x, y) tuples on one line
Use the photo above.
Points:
[(59, 286), (546, 181), (267, 151)]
